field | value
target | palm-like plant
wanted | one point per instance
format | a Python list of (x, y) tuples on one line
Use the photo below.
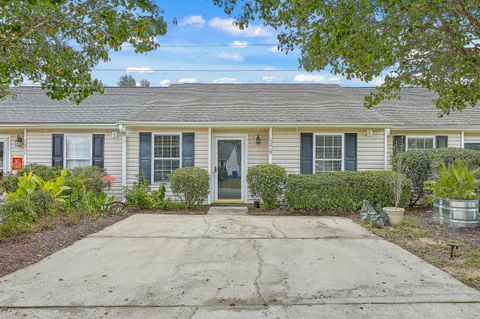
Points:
[(456, 182)]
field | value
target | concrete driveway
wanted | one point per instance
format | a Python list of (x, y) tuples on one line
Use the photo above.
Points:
[(161, 266)]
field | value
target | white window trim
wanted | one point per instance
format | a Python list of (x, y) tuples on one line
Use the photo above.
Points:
[(421, 136), (6, 152), (179, 134), (65, 149), (315, 148)]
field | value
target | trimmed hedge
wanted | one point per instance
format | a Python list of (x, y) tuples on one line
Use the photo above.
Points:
[(342, 191), (420, 166), (266, 183), (190, 184)]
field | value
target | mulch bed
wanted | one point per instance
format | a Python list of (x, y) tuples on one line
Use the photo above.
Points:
[(422, 236), (25, 249), (198, 211), (281, 212)]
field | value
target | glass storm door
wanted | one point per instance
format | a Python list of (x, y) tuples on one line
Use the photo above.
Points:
[(229, 169)]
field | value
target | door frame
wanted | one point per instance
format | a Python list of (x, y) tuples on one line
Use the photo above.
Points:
[(6, 152), (244, 164)]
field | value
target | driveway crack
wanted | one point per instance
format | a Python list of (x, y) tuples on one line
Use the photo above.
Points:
[(275, 227), (208, 226), (259, 272)]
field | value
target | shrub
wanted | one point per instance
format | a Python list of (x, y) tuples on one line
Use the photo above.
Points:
[(342, 191), (266, 183), (45, 172), (84, 179), (190, 184), (139, 194), (420, 166)]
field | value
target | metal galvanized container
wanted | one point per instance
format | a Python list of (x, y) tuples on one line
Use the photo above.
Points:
[(458, 213), (463, 213), (438, 208)]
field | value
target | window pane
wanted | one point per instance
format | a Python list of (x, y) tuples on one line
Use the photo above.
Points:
[(420, 143), (78, 147), (166, 146), (328, 153), (163, 168), (328, 166), (77, 163), (428, 143)]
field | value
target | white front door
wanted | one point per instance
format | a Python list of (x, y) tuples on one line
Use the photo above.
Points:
[(229, 168)]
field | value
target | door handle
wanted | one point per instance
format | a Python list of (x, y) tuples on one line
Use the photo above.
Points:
[(215, 170)]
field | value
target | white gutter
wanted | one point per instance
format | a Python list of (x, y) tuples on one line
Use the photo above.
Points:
[(252, 124), (123, 131), (24, 146), (387, 132), (210, 164), (270, 145), (62, 125)]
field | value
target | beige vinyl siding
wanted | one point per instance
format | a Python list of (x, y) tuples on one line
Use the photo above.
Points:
[(472, 137), (133, 151), (286, 147)]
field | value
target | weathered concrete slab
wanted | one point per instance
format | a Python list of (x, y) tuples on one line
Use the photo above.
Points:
[(225, 226), (163, 266), (225, 210)]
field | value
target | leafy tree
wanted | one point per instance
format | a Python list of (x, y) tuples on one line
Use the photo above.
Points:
[(144, 83), (428, 43), (127, 81), (57, 42)]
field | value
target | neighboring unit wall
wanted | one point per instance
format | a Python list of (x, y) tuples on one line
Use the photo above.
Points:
[(286, 147), (39, 151), (454, 137), (13, 150)]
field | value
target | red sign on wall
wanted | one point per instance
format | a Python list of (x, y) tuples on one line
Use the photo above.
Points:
[(17, 163)]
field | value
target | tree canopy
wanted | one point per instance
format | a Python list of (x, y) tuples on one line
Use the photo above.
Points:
[(433, 44), (56, 43), (127, 81), (144, 83)]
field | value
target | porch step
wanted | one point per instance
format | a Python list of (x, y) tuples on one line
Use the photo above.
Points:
[(228, 210)]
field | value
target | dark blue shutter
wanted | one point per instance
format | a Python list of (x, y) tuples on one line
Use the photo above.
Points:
[(145, 167), (188, 149), (350, 151), (57, 150), (98, 150), (399, 144), (441, 141), (306, 153)]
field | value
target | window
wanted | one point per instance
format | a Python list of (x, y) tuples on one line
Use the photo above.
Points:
[(78, 150), (166, 155), (472, 146), (328, 153), (420, 143)]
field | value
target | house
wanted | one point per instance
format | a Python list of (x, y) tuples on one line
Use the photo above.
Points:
[(224, 128)]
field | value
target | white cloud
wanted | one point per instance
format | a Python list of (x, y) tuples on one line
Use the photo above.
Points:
[(225, 80), (253, 31), (378, 80), (316, 78), (271, 78), (139, 69), (239, 44), (188, 80), (195, 21), (230, 56), (274, 49), (165, 82)]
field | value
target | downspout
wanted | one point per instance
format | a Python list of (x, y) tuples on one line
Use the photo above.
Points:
[(270, 145), (210, 165), (24, 146), (462, 140), (387, 132), (123, 131)]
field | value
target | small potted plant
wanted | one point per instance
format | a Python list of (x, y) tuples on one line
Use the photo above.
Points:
[(456, 189), (397, 182)]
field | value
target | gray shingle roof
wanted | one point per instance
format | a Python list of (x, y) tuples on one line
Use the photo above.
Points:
[(245, 103), (30, 105)]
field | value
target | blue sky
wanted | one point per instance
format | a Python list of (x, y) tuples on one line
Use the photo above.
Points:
[(200, 23)]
